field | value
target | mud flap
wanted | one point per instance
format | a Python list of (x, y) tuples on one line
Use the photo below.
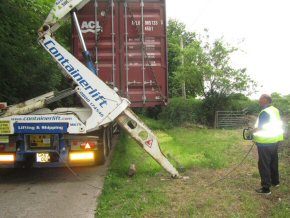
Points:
[(145, 138)]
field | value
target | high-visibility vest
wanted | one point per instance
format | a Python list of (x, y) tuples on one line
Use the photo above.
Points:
[(272, 131)]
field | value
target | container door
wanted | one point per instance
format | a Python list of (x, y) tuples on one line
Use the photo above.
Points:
[(128, 42)]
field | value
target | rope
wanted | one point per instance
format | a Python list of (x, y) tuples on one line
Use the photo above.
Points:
[(226, 175)]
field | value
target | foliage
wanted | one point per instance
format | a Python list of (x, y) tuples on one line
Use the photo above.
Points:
[(174, 53), (204, 67), (179, 63), (151, 112), (175, 30), (221, 81), (220, 77), (182, 111), (190, 72), (26, 71), (222, 102), (190, 111), (281, 102), (238, 102)]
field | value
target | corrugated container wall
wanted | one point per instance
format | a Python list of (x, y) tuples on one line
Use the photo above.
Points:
[(127, 40)]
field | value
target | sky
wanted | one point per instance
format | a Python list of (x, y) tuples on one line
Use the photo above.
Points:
[(259, 28)]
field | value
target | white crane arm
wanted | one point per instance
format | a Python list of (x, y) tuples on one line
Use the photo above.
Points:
[(61, 11)]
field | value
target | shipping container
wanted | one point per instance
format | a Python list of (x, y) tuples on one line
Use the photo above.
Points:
[(127, 40)]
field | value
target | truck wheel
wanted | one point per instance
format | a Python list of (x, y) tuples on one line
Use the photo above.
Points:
[(107, 141), (105, 144), (100, 156), (110, 137), (100, 153)]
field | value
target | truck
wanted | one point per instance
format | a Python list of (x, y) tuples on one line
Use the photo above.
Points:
[(127, 67)]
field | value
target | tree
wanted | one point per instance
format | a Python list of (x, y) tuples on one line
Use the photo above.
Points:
[(220, 80), (191, 69), (26, 71), (281, 102), (174, 30), (205, 69), (220, 76), (182, 48)]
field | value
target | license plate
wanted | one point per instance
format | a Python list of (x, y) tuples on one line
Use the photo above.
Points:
[(42, 157)]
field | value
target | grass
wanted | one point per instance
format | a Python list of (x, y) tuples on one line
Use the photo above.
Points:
[(206, 155)]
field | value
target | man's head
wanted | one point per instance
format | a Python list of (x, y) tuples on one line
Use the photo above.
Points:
[(265, 100)]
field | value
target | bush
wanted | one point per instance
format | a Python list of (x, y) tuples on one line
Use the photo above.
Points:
[(239, 102), (181, 111)]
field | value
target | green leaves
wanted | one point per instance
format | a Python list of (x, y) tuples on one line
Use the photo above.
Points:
[(281, 102), (26, 71), (184, 51), (203, 68)]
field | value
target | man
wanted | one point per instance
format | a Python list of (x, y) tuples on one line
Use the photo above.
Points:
[(267, 133)]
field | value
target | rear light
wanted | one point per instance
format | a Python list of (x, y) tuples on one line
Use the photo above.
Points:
[(82, 142), (7, 157), (85, 156), (88, 145)]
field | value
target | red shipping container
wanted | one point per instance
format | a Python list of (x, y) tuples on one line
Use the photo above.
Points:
[(129, 38)]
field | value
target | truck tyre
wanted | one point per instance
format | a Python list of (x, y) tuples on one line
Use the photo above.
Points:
[(100, 156), (110, 137), (106, 140), (100, 153)]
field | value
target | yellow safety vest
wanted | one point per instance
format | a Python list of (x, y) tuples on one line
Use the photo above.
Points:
[(271, 132)]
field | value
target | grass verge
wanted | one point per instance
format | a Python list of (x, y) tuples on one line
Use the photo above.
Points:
[(206, 155)]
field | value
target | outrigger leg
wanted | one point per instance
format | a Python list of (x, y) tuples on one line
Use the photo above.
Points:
[(145, 138)]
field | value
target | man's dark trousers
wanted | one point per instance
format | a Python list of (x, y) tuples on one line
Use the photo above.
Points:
[(268, 164)]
